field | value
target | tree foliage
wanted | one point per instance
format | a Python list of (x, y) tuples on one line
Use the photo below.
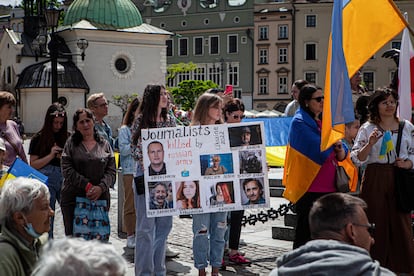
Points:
[(174, 69), (187, 92), (123, 101)]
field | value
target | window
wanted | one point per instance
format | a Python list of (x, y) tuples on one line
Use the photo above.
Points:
[(232, 46), (310, 21), (183, 76), (170, 51), (233, 74), (283, 86), (237, 93), (9, 74), (310, 51), (262, 56), (183, 44), (310, 77), (396, 45), (263, 33), (198, 46), (209, 4), (214, 45), (283, 55), (214, 74), (200, 74), (236, 3), (263, 85), (368, 78), (283, 32)]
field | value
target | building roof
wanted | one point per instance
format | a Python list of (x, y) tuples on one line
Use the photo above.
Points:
[(109, 14), (39, 75), (143, 28)]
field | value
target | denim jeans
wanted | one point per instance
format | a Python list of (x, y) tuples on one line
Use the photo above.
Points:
[(208, 240), (151, 237), (54, 183)]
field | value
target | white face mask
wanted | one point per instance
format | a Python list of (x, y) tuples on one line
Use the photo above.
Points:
[(31, 231)]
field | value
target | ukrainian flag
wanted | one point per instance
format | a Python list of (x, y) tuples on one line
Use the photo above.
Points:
[(387, 145), (359, 29), (20, 168)]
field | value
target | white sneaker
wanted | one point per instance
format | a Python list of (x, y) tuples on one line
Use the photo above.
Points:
[(131, 241), (169, 253)]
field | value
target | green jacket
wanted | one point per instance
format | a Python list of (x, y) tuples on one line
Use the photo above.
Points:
[(16, 258)]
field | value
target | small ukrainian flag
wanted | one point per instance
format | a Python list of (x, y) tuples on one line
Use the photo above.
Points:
[(20, 168), (387, 145)]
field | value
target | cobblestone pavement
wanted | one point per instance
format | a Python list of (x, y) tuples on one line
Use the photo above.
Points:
[(180, 239)]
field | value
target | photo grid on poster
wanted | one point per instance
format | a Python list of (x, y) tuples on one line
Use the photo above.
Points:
[(205, 169)]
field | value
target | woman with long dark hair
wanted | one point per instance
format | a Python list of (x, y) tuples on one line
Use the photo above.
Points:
[(128, 168), (305, 186), (150, 232), (394, 246), (46, 148), (88, 166)]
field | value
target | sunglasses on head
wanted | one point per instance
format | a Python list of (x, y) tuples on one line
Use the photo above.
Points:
[(318, 99), (58, 114), (236, 117)]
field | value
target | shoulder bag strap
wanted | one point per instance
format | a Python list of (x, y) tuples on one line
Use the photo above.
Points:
[(400, 130)]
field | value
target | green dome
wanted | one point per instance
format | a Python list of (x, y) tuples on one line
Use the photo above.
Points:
[(107, 14)]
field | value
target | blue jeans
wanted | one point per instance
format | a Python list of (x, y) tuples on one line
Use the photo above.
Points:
[(54, 183), (151, 237), (208, 240)]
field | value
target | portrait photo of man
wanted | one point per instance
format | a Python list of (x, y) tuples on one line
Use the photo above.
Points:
[(253, 190), (156, 157), (245, 135)]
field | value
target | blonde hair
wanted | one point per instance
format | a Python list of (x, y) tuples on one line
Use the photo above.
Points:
[(204, 102)]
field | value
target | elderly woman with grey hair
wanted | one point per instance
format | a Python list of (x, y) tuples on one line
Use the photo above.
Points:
[(25, 217), (75, 256)]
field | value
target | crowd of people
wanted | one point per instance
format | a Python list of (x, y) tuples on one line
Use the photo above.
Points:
[(334, 230), (372, 188)]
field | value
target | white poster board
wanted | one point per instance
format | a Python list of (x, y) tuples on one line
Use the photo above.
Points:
[(205, 169)]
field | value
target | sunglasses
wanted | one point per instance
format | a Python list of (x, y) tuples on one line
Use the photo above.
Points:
[(370, 227), (58, 114), (236, 117), (318, 99)]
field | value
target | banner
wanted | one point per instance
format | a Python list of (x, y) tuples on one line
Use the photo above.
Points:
[(205, 169)]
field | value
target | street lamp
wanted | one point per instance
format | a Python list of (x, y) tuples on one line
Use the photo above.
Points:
[(52, 14)]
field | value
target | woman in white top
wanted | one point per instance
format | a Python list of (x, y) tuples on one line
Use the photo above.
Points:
[(394, 246)]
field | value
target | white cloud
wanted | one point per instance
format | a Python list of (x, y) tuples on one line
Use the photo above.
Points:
[(10, 2)]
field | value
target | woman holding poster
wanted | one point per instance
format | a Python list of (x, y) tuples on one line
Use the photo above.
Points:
[(150, 232), (209, 228)]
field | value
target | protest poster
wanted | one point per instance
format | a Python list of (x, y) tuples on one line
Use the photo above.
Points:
[(205, 169)]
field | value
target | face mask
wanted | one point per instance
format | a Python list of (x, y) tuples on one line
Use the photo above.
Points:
[(31, 231)]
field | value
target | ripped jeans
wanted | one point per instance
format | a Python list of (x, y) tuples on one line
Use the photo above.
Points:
[(208, 240)]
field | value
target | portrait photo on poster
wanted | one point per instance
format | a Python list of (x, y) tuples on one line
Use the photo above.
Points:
[(157, 165), (251, 161), (158, 195), (187, 194), (221, 193), (213, 164), (252, 191), (245, 135)]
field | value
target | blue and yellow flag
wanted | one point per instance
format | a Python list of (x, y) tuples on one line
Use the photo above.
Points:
[(20, 168), (387, 145), (359, 29)]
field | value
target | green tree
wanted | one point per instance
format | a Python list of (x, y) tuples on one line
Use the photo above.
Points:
[(187, 92), (123, 101), (177, 68)]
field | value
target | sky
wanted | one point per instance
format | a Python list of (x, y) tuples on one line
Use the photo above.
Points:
[(10, 2)]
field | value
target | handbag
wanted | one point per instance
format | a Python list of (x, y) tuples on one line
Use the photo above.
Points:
[(91, 220), (139, 184), (404, 181), (341, 179)]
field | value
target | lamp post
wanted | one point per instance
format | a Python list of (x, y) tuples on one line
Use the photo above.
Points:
[(52, 14)]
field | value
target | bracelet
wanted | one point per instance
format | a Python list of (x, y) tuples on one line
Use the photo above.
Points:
[(88, 186)]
